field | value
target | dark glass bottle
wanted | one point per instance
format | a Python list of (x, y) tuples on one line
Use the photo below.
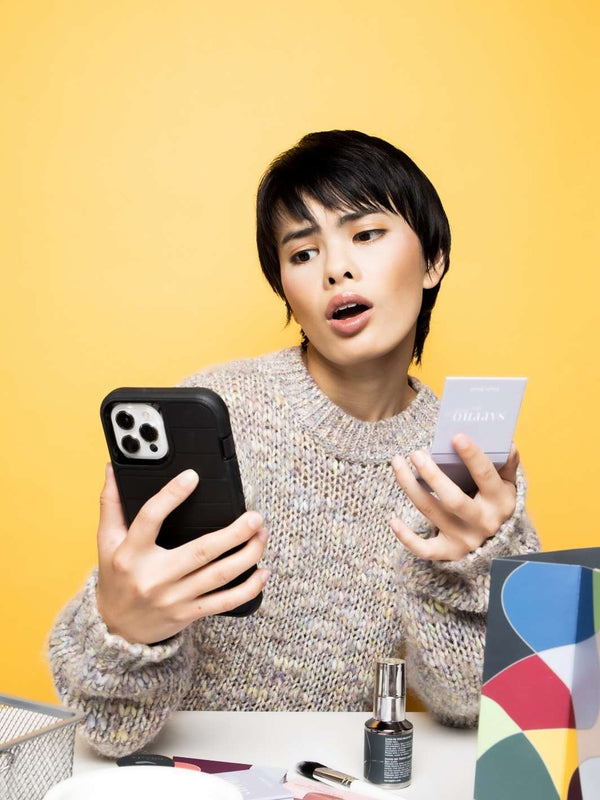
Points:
[(388, 734)]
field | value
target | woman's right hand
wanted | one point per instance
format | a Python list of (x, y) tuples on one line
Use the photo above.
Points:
[(146, 593)]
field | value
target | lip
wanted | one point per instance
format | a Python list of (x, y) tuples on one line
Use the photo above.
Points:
[(342, 300), (352, 325)]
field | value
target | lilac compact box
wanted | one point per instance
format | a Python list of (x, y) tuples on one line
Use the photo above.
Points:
[(486, 410)]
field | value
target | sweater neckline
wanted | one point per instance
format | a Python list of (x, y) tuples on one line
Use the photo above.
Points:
[(343, 434)]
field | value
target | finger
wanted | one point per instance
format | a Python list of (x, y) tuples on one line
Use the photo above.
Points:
[(145, 527), (456, 503), (508, 472), (437, 548), (193, 555), (482, 470), (228, 599), (220, 572), (426, 503), (112, 527)]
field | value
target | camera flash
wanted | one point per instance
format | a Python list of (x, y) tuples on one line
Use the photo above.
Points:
[(146, 415)]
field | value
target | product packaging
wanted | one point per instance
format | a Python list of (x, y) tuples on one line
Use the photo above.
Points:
[(539, 725)]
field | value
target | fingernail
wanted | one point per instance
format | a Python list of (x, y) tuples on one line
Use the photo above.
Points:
[(254, 520), (263, 535), (418, 458), (188, 478), (109, 470), (397, 462), (265, 574), (461, 441)]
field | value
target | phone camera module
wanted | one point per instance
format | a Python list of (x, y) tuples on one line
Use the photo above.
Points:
[(148, 432), (125, 421), (129, 444), (138, 431)]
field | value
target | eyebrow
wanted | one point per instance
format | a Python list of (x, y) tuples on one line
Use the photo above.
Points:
[(350, 217)]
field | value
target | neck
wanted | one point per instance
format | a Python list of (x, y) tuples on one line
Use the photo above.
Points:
[(371, 390)]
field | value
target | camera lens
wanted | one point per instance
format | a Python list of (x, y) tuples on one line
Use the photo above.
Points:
[(124, 420), (148, 433), (129, 444)]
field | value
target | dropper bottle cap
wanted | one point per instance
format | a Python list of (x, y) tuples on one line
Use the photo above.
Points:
[(389, 694)]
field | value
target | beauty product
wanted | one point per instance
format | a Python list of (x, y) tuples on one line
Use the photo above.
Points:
[(486, 409), (145, 759), (334, 778), (388, 734)]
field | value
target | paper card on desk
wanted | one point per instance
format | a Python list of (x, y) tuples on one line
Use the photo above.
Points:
[(539, 724), (301, 787), (254, 782)]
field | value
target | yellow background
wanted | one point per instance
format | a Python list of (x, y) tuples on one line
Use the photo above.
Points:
[(133, 135)]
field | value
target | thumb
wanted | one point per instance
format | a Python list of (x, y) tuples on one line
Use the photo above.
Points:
[(509, 471), (112, 528)]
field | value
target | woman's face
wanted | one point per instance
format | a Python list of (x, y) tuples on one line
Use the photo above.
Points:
[(354, 281)]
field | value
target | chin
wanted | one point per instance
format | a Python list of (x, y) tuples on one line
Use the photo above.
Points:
[(360, 349)]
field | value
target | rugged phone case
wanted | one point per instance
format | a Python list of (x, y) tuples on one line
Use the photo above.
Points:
[(199, 437)]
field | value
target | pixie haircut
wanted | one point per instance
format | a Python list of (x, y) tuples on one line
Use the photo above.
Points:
[(350, 170)]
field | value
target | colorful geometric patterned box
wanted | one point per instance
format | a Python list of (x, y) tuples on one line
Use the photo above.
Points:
[(539, 724)]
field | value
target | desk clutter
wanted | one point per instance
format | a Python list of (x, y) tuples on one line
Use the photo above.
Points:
[(539, 725), (36, 763), (259, 782)]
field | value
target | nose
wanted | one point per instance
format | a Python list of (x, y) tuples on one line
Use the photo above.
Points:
[(332, 281), (338, 267)]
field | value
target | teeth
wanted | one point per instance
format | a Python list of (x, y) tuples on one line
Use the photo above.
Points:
[(349, 305)]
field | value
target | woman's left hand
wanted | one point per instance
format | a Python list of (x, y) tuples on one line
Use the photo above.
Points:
[(463, 522)]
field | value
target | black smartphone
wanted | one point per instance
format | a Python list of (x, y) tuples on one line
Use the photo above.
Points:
[(152, 436)]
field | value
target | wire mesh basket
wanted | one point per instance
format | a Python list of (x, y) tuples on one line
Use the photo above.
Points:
[(36, 747)]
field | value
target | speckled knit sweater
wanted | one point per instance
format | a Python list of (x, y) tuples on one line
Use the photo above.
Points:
[(342, 590)]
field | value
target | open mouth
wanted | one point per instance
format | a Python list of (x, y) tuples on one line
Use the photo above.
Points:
[(348, 313), (349, 310)]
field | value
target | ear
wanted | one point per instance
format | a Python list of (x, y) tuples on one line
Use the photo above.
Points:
[(435, 271)]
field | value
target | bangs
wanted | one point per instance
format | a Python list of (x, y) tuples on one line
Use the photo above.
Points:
[(335, 192)]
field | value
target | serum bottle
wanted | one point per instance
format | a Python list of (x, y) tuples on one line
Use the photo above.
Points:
[(388, 734)]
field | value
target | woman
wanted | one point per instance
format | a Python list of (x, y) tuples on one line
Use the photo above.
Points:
[(329, 435)]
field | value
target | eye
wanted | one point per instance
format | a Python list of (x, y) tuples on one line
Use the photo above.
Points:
[(365, 236), (302, 256)]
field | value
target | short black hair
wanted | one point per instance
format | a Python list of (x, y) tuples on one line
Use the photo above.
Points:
[(350, 169)]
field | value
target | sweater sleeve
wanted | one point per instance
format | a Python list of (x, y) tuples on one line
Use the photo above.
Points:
[(443, 608), (126, 691)]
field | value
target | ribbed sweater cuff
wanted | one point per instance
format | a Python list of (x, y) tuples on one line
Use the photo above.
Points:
[(464, 584), (514, 536), (110, 651)]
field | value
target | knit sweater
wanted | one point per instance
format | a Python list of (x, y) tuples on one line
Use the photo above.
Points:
[(342, 590)]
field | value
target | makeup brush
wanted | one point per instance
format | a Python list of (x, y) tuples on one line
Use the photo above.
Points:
[(331, 777)]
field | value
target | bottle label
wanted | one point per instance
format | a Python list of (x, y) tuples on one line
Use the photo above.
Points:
[(388, 758)]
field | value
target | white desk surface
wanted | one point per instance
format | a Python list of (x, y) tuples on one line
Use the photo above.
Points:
[(443, 761)]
